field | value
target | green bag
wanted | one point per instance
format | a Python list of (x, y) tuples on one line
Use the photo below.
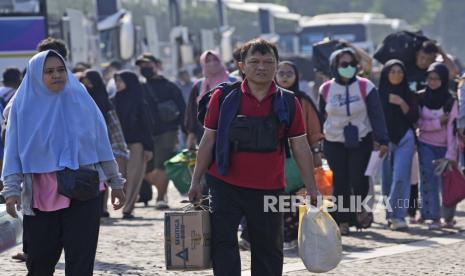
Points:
[(179, 169), (292, 175)]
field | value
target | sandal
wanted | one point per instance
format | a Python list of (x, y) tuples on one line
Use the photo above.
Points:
[(364, 219), (435, 225), (450, 223)]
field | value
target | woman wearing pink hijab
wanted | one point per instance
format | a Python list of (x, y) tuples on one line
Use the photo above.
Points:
[(214, 73)]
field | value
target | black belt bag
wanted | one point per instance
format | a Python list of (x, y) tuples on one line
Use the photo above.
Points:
[(254, 134), (82, 184), (351, 137)]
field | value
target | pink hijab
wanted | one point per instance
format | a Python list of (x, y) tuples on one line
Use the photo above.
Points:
[(213, 75)]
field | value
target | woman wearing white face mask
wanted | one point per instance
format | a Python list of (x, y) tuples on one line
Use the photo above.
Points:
[(354, 120)]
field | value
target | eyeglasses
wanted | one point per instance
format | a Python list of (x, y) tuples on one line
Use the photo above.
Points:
[(344, 64), (288, 74)]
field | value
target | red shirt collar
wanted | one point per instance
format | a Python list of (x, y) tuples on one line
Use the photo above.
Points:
[(246, 90)]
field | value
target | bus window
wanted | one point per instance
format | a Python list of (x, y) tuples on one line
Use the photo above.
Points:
[(20, 7)]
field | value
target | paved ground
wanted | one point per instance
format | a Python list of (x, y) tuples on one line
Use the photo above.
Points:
[(136, 248)]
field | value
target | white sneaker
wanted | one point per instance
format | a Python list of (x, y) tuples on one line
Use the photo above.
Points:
[(290, 245), (397, 224)]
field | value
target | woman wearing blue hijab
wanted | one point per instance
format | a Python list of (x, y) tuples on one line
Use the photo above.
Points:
[(55, 131)]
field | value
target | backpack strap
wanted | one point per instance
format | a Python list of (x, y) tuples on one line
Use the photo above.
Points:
[(325, 89), (290, 103), (363, 83)]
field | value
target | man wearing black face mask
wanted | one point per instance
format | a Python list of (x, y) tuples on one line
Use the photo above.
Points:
[(167, 110)]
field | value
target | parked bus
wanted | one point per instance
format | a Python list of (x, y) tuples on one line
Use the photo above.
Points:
[(365, 30), (23, 23)]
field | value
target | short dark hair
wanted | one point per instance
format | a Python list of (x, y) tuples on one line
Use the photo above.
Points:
[(11, 76), (51, 43), (429, 47), (237, 54), (148, 57), (183, 72), (259, 45), (80, 67), (197, 71), (116, 64)]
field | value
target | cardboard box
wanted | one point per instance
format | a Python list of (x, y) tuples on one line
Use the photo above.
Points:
[(187, 240)]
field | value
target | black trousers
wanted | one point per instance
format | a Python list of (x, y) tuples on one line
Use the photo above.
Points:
[(348, 166), (229, 204), (74, 229)]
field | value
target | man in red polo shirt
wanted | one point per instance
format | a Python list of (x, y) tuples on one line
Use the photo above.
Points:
[(239, 184)]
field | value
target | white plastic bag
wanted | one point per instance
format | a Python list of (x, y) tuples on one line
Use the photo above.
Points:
[(320, 246)]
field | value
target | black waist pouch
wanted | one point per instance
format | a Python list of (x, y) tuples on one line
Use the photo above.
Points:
[(82, 184), (254, 134), (351, 138)]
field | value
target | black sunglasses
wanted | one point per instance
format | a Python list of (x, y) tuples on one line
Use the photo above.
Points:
[(344, 64)]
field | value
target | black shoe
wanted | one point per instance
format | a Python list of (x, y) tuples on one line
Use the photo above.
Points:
[(105, 214), (128, 216)]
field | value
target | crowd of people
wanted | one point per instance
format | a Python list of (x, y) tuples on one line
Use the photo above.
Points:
[(119, 127)]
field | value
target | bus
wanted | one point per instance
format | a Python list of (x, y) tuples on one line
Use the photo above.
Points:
[(365, 30), (23, 24)]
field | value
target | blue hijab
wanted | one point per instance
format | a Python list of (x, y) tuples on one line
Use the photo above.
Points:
[(50, 131)]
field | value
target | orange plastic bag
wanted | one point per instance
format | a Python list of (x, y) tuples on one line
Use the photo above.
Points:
[(324, 181)]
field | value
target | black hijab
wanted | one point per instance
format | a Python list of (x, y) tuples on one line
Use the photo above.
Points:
[(437, 98), (98, 92), (130, 99), (133, 86), (385, 86), (396, 121)]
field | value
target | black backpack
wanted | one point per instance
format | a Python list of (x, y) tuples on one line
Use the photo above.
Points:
[(401, 45), (227, 88)]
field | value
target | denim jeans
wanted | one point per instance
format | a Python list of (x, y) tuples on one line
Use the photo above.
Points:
[(431, 184), (396, 176)]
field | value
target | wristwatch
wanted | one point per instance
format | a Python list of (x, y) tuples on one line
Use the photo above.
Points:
[(317, 149)]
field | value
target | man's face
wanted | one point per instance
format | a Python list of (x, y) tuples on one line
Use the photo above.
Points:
[(424, 60), (259, 68)]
